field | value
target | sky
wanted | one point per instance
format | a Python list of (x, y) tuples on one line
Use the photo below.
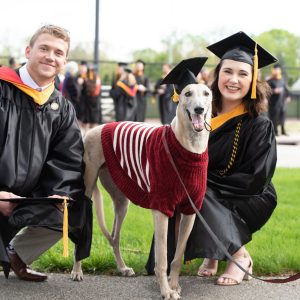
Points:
[(128, 25)]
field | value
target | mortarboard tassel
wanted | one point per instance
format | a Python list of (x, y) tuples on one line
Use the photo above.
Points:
[(255, 71), (175, 96), (65, 229)]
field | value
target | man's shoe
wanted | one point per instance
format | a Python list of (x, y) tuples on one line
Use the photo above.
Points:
[(23, 271)]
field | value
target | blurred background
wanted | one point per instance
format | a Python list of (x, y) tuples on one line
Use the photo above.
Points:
[(105, 32)]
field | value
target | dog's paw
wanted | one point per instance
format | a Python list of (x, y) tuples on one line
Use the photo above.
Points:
[(176, 287), (127, 272), (171, 295), (77, 276)]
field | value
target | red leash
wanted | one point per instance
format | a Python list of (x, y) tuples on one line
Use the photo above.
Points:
[(211, 233)]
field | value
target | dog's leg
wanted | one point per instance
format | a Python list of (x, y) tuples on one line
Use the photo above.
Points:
[(93, 158), (76, 273), (120, 209), (161, 231), (185, 228)]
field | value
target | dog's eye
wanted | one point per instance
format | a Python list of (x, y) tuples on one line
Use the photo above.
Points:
[(206, 93), (188, 94)]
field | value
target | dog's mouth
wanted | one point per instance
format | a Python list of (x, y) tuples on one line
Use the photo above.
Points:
[(197, 121)]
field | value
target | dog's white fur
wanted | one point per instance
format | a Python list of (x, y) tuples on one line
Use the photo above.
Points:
[(195, 99)]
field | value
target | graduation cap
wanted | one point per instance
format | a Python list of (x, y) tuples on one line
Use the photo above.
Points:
[(122, 64), (277, 66), (141, 61), (84, 63), (240, 47), (128, 69), (183, 74), (36, 200)]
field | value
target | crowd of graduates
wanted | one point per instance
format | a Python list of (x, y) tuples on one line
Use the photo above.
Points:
[(130, 89)]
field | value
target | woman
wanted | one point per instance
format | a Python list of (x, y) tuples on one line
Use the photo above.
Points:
[(240, 197), (124, 96), (70, 86)]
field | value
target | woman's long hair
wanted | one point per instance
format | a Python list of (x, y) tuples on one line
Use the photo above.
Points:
[(253, 106)]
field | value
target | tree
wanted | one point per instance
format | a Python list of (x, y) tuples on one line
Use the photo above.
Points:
[(285, 46), (154, 61)]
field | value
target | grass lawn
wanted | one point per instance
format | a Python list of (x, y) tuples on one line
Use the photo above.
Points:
[(274, 249)]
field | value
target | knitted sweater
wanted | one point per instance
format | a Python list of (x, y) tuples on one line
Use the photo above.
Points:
[(139, 166)]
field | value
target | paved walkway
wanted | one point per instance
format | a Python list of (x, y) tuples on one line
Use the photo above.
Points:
[(288, 151), (61, 287)]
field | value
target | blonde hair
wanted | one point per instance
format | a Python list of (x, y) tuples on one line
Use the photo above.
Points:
[(53, 30)]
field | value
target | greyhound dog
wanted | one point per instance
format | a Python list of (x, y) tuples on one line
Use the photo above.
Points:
[(190, 130)]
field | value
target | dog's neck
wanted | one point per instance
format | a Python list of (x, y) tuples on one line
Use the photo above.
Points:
[(189, 139)]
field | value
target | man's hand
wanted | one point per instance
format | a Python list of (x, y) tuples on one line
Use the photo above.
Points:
[(6, 208), (142, 88), (278, 90)]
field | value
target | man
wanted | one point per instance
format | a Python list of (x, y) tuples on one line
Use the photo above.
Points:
[(124, 95), (143, 89), (166, 106), (40, 156), (12, 63), (278, 100), (90, 98)]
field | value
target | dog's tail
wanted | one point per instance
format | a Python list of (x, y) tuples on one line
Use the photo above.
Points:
[(98, 200)]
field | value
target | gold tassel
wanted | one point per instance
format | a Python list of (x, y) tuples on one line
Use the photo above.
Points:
[(65, 229), (255, 71), (175, 96)]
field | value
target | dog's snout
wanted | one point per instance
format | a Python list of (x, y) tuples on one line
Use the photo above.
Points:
[(199, 110)]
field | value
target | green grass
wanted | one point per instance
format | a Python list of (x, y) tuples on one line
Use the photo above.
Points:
[(274, 249)]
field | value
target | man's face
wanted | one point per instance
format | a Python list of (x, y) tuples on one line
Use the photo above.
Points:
[(46, 58), (139, 66), (276, 72)]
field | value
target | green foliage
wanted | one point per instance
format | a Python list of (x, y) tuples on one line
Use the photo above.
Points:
[(274, 249), (154, 61), (285, 46)]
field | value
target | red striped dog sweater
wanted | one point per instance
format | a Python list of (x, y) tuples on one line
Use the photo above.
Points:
[(139, 166)]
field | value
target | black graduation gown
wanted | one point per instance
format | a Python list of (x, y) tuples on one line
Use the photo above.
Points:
[(141, 98), (41, 154), (276, 101), (71, 91), (125, 104), (166, 106), (239, 202), (90, 106)]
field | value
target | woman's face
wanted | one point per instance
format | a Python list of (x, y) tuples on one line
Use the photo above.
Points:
[(235, 78)]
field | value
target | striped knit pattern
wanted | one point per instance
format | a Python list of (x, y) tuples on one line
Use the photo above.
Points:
[(139, 166)]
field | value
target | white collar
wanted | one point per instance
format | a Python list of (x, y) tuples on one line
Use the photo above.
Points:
[(26, 78)]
